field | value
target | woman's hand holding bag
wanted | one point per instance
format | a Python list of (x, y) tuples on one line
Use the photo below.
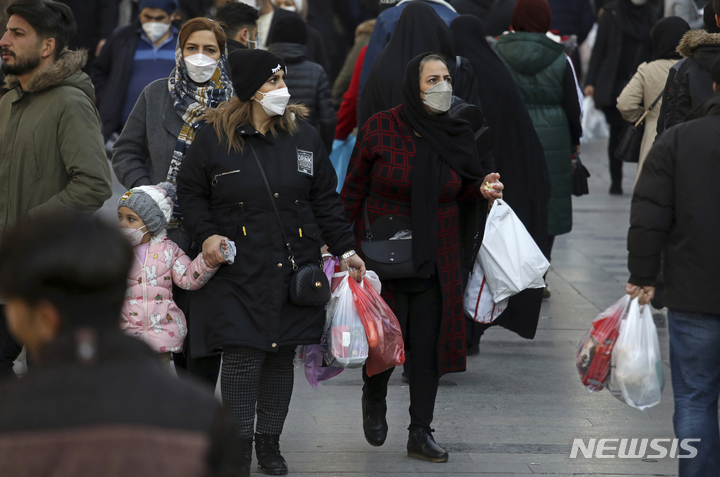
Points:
[(491, 187), (355, 265)]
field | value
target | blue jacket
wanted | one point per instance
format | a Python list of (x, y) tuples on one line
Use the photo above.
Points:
[(384, 27)]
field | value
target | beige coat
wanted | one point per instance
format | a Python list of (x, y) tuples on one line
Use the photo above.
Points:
[(644, 87)]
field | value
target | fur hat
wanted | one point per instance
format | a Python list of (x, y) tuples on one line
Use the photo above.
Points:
[(153, 204)]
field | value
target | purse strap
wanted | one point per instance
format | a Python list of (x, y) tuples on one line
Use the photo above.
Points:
[(649, 109), (291, 257), (368, 230)]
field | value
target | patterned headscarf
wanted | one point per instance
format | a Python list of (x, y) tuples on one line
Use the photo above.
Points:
[(191, 100)]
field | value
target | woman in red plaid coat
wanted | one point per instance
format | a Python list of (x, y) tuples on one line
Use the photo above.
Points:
[(415, 157)]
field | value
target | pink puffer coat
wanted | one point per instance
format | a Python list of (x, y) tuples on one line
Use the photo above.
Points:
[(149, 312)]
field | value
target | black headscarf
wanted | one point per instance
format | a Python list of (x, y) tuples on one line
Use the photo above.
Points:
[(666, 36), (636, 21), (419, 30), (518, 154), (448, 143)]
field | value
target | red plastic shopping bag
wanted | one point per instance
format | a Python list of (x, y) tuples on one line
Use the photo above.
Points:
[(384, 335), (596, 347)]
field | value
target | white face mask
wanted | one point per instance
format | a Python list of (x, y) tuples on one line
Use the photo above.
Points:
[(275, 102), (200, 67), (289, 8), (638, 3), (135, 236), (439, 97), (155, 30)]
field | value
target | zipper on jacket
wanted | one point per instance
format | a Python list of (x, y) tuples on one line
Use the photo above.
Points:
[(242, 217), (297, 206), (143, 275), (215, 177)]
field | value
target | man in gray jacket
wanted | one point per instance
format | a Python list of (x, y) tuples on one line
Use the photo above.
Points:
[(52, 155)]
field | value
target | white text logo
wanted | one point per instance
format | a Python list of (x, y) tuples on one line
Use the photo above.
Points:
[(634, 448)]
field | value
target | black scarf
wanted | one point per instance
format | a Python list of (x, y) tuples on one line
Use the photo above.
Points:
[(666, 36), (518, 155), (636, 21), (445, 143), (419, 29)]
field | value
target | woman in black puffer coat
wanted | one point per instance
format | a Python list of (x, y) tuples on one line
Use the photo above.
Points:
[(308, 84)]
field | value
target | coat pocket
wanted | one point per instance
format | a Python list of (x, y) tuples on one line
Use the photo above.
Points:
[(30, 158)]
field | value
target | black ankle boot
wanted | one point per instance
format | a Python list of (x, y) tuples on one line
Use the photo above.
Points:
[(246, 456), (421, 445), (267, 449), (374, 423)]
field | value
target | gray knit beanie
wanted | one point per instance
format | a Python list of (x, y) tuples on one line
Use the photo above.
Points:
[(153, 204)]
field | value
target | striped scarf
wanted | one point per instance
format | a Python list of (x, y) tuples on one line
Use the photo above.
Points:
[(190, 101)]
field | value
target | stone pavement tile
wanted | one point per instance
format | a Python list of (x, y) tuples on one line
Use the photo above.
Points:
[(373, 464)]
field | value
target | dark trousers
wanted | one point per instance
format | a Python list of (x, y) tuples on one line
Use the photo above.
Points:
[(207, 368), (550, 243), (9, 348), (617, 124), (420, 315), (616, 165), (259, 382)]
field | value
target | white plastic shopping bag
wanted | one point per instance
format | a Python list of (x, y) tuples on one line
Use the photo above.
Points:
[(594, 124), (509, 256), (636, 374), (346, 344), (478, 300)]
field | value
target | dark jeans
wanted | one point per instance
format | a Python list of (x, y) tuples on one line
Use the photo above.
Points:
[(420, 314), (695, 365), (9, 348)]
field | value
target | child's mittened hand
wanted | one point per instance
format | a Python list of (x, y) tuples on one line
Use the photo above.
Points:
[(212, 253)]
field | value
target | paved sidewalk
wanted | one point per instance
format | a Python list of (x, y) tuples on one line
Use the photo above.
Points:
[(519, 406)]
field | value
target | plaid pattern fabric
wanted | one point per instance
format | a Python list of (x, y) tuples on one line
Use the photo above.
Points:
[(380, 170), (257, 381)]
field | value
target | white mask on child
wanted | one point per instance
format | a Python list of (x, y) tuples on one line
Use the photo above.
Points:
[(135, 236)]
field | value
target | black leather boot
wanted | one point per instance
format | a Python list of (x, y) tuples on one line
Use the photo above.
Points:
[(267, 449), (421, 445), (374, 424), (246, 453)]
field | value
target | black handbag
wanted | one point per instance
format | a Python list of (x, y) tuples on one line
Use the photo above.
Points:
[(390, 259), (580, 176), (630, 143), (308, 284)]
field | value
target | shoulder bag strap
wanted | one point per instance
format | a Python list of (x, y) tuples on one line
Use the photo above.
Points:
[(368, 231), (291, 257), (642, 118)]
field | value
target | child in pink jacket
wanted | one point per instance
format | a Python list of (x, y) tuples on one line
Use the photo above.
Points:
[(149, 312)]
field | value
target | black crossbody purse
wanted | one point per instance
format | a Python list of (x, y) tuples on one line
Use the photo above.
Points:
[(308, 285), (390, 259), (630, 143)]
